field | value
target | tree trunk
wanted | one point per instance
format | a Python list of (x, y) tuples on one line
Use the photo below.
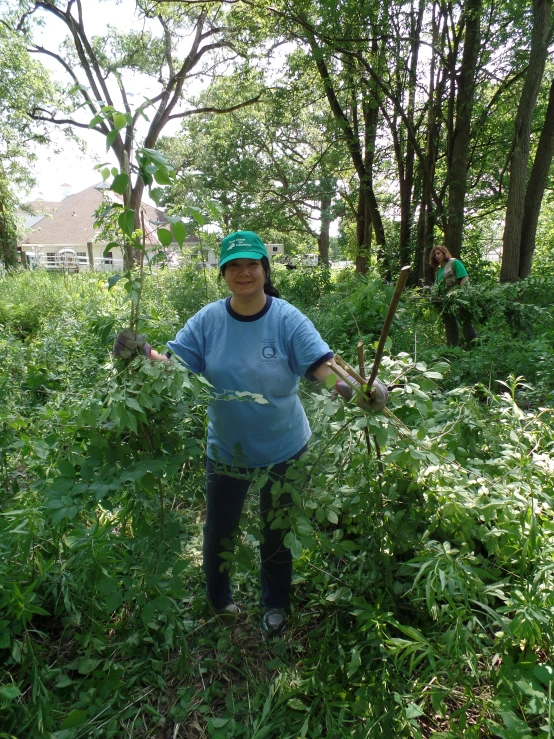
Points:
[(135, 202), (8, 242), (536, 188), (457, 175), (362, 160), (323, 241), (363, 231), (519, 157), (427, 215), (372, 217), (406, 168)]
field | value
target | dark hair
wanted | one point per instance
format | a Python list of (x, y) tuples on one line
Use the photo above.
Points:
[(269, 287), (447, 255)]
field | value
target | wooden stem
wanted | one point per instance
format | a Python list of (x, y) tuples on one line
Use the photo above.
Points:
[(344, 377), (361, 358), (351, 371), (361, 364), (402, 277)]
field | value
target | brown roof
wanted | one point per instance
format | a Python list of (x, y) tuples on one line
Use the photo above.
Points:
[(71, 221)]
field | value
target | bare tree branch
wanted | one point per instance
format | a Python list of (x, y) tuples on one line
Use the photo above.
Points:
[(196, 111)]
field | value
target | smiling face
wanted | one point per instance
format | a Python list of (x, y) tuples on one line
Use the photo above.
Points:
[(245, 278)]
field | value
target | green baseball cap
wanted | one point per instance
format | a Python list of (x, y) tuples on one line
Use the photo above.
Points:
[(241, 245)]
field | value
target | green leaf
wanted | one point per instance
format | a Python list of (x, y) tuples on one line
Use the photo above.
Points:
[(332, 516), (148, 612), (126, 222), (293, 543), (66, 468), (75, 718), (63, 681), (179, 232), (381, 434), (330, 381), (113, 279), (355, 663), (106, 585), (218, 723), (164, 236), (213, 209), (120, 183), (349, 546), (76, 88), (148, 483), (95, 121), (545, 673), (156, 193), (113, 601), (9, 692), (162, 177), (112, 245), (132, 403), (413, 711), (88, 665), (197, 215), (155, 156), (119, 121), (105, 173), (296, 704), (111, 137)]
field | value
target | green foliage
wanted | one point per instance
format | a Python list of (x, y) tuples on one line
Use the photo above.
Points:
[(8, 229), (423, 577), (23, 84), (266, 165)]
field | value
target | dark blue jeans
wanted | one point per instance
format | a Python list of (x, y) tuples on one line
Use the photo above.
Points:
[(225, 496)]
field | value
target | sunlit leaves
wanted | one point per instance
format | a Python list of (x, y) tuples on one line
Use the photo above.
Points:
[(119, 121), (120, 183), (179, 232), (126, 222), (164, 236)]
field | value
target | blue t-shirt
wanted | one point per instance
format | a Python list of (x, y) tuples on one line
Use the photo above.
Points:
[(267, 354)]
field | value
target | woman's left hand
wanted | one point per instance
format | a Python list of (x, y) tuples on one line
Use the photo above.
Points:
[(378, 396)]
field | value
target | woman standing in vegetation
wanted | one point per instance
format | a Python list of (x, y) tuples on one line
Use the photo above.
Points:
[(255, 342), (451, 273)]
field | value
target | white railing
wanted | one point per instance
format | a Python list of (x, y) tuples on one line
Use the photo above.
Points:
[(72, 262)]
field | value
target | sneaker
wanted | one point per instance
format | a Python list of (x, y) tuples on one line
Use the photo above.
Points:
[(231, 609), (274, 621)]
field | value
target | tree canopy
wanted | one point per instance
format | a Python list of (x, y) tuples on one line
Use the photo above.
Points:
[(429, 123)]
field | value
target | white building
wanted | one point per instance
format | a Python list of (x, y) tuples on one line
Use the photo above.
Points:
[(62, 234)]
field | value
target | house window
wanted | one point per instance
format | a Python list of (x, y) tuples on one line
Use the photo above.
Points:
[(109, 255), (81, 253), (51, 256)]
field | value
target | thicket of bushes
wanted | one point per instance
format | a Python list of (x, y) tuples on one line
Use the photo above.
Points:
[(423, 578)]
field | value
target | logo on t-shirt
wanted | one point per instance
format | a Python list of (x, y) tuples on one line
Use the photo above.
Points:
[(269, 351)]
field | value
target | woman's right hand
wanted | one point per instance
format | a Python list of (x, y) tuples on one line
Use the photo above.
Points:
[(128, 344)]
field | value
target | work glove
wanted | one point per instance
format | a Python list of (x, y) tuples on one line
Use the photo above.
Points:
[(128, 344), (378, 395)]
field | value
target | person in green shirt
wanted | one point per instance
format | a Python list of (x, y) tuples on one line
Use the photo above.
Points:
[(450, 274)]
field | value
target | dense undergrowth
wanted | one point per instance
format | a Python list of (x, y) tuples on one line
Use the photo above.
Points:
[(423, 576)]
